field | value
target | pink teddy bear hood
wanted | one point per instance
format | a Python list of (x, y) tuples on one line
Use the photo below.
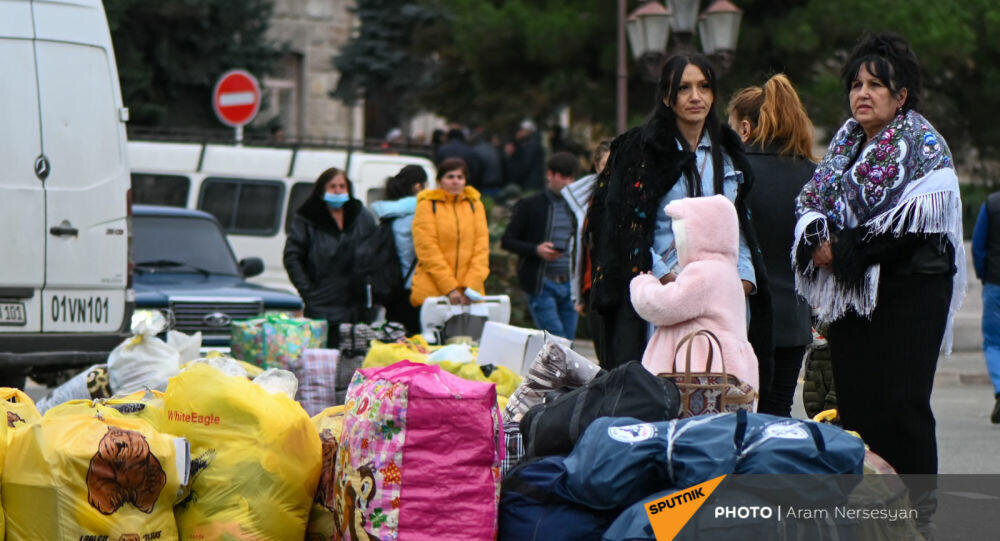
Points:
[(707, 294)]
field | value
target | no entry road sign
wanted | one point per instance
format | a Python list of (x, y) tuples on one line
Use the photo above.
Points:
[(236, 98)]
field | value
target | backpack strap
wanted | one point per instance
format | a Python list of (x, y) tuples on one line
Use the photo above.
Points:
[(413, 266), (817, 436), (574, 420), (741, 429)]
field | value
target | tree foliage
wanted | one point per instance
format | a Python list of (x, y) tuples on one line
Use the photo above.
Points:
[(482, 61), (386, 55), (495, 62), (503, 61), (170, 53), (955, 41)]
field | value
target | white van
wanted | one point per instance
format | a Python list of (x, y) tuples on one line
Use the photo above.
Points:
[(64, 181), (253, 191)]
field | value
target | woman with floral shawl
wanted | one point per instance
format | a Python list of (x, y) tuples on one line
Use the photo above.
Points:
[(878, 244)]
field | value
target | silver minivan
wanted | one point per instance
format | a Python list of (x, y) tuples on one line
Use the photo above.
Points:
[(65, 298)]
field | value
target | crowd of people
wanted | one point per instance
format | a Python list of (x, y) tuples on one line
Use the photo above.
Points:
[(868, 238)]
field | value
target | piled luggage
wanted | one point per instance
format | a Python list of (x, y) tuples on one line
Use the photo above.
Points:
[(406, 439)]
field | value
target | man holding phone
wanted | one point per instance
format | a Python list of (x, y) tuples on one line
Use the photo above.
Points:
[(542, 232)]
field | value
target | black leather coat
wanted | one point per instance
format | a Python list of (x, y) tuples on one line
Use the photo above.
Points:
[(319, 257), (778, 181)]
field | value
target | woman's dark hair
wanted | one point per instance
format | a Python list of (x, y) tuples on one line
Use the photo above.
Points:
[(402, 184), (888, 57), (666, 92), (324, 178), (451, 164)]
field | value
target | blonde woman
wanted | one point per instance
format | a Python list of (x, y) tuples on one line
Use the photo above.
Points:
[(779, 137)]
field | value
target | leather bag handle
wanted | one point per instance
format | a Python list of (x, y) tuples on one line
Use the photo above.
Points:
[(689, 341)]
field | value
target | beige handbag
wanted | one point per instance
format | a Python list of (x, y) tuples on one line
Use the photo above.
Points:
[(709, 392)]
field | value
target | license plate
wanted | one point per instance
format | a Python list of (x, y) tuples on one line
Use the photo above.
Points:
[(13, 313), (78, 310)]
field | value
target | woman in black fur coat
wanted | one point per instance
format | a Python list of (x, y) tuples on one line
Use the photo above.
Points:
[(681, 151)]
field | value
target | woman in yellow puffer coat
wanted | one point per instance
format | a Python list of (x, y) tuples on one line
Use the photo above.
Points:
[(450, 237)]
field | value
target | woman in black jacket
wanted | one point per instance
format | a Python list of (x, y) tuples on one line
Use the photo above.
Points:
[(683, 150), (773, 123), (320, 247)]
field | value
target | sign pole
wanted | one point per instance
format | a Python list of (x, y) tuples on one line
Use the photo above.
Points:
[(239, 135)]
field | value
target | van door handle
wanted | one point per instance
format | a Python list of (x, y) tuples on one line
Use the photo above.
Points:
[(64, 229)]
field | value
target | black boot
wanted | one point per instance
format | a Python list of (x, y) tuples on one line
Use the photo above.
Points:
[(995, 416)]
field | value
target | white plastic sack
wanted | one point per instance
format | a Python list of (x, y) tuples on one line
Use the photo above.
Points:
[(188, 346), (142, 361), (458, 353), (228, 365), (276, 380)]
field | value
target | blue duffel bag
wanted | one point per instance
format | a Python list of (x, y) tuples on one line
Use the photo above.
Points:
[(531, 509), (619, 461), (779, 445)]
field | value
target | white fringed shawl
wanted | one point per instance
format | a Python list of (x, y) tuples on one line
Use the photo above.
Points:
[(905, 171)]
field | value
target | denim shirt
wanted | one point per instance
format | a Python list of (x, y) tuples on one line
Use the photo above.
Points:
[(664, 252), (402, 210)]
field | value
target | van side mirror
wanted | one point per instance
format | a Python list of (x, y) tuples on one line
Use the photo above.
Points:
[(251, 266)]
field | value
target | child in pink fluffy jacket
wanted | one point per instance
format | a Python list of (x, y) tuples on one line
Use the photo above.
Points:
[(707, 294)]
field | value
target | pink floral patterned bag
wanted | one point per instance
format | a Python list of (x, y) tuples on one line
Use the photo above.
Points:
[(419, 457)]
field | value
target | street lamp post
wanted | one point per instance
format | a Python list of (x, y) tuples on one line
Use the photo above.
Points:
[(719, 28), (648, 33), (651, 26), (685, 16), (622, 75)]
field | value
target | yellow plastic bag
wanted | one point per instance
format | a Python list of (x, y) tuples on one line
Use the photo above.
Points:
[(255, 457), (322, 520), (3, 453), (506, 380), (382, 354), (87, 471), (20, 408), (147, 405)]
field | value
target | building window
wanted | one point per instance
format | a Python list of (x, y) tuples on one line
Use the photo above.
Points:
[(243, 206), (284, 104)]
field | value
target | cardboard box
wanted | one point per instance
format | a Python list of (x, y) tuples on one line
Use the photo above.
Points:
[(513, 347)]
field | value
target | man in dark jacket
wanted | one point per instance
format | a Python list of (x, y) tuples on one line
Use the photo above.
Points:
[(456, 147), (525, 161), (489, 156), (319, 254), (542, 232)]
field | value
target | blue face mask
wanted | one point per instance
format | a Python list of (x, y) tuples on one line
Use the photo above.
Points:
[(336, 200)]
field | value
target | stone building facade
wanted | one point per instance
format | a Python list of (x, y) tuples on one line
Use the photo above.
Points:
[(297, 94)]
